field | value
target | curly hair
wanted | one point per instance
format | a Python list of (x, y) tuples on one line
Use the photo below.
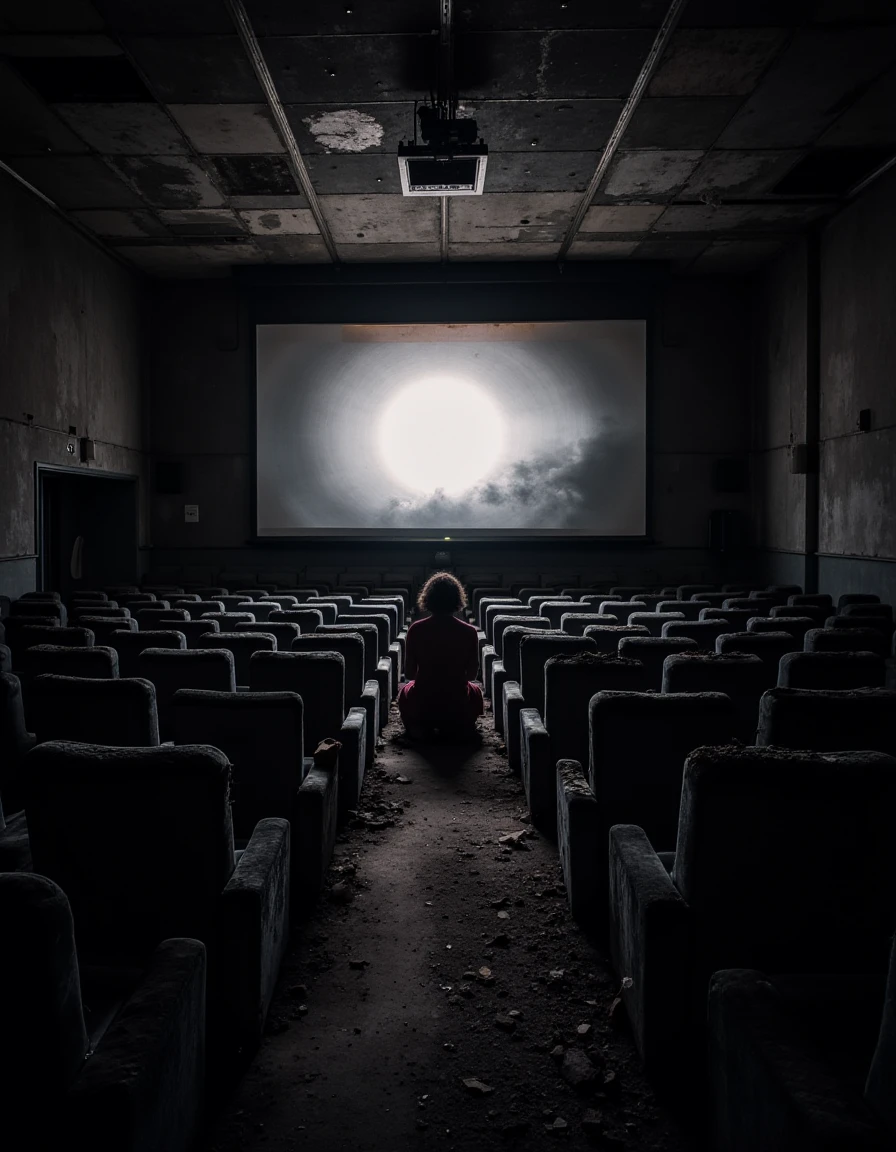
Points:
[(442, 592)]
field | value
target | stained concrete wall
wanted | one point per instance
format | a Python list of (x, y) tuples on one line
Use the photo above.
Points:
[(71, 323), (856, 350), (202, 416)]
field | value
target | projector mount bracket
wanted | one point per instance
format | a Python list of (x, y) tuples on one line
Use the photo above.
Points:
[(450, 161)]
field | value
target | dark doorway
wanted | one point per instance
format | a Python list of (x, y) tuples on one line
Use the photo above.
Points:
[(96, 508)]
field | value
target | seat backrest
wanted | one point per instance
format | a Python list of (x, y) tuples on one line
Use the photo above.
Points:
[(385, 598), (838, 670), (283, 632), (380, 620), (328, 609), (493, 611), (340, 601), (863, 719), (227, 621), (513, 638), (44, 1033), (555, 610), (103, 628), (14, 738), (653, 621), (318, 677), (170, 669), (96, 661), (350, 647), (795, 626), (117, 712), (484, 602), (689, 609), (686, 591), (194, 630), (40, 608), (846, 640), (308, 619), (501, 623), (786, 858), (652, 651), (638, 743), (198, 608), (812, 611), (575, 623), (857, 598), (569, 683), (817, 599), (242, 645), (742, 676), (139, 839), (389, 610), (369, 634), (129, 645), (81, 637), (260, 733), (606, 637), (535, 651), (768, 646), (622, 609), (703, 631)]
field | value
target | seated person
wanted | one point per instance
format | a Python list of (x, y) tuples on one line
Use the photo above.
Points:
[(442, 655)]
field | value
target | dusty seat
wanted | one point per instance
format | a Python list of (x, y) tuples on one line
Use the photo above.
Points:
[(359, 692), (243, 645), (651, 651), (795, 626), (606, 637), (863, 719), (261, 734), (319, 678), (92, 1058), (783, 862), (99, 818), (560, 730), (832, 670), (630, 770), (129, 645), (742, 676), (171, 669), (116, 712), (779, 1080), (768, 646), (704, 631), (846, 640)]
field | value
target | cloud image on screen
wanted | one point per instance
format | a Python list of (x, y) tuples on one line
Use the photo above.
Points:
[(437, 430)]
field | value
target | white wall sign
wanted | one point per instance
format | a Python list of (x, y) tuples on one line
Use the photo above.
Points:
[(191, 513)]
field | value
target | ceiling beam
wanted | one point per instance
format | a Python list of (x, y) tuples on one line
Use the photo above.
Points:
[(240, 18), (668, 26)]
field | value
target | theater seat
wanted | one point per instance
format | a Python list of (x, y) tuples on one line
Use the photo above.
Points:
[(91, 1058), (783, 862), (141, 841)]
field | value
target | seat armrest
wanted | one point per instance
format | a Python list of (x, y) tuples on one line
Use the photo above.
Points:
[(144, 1085), (512, 704), (384, 679), (650, 945), (314, 836), (370, 702), (770, 1086), (497, 677), (395, 658), (538, 772), (254, 928), (486, 661), (352, 755), (581, 846)]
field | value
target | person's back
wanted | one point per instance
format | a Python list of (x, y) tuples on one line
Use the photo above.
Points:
[(442, 656)]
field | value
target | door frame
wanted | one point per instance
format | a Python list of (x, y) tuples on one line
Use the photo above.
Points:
[(41, 471)]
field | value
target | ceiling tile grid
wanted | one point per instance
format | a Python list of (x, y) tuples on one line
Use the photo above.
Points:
[(148, 125)]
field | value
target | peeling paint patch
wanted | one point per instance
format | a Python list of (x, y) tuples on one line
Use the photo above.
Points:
[(347, 130)]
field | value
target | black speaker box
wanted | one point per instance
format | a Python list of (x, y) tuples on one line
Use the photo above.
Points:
[(169, 477)]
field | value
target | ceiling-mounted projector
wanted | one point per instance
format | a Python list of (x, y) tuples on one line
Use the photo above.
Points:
[(449, 162)]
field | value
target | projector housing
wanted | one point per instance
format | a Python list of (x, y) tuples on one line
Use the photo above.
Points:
[(426, 172), (449, 162)]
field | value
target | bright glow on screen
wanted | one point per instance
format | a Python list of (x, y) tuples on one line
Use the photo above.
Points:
[(453, 431), (440, 433)]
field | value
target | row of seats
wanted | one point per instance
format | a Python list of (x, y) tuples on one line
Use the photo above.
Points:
[(189, 731), (719, 774)]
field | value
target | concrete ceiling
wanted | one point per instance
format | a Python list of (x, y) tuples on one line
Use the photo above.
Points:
[(147, 124)]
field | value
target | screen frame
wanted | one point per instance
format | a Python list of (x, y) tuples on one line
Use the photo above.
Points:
[(392, 295)]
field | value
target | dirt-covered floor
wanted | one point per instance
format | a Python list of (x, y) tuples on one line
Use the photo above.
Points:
[(442, 996)]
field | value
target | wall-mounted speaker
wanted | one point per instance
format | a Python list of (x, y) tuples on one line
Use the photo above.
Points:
[(730, 474), (724, 530), (169, 478)]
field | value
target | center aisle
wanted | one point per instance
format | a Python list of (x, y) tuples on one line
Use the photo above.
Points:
[(440, 955)]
